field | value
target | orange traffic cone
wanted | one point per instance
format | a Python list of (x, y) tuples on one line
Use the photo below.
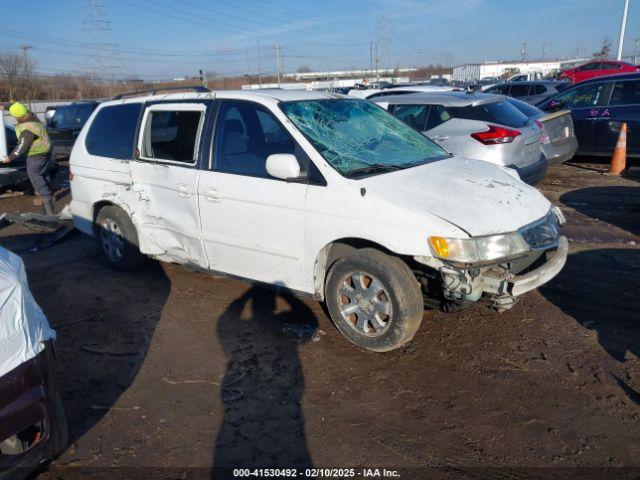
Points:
[(619, 159)]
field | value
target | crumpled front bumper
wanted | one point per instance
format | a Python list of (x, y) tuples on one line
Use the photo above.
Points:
[(515, 285)]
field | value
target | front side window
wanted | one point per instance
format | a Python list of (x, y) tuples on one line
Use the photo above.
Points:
[(582, 97), (413, 115), (626, 93), (355, 136), (246, 135), (172, 135), (112, 132), (499, 89)]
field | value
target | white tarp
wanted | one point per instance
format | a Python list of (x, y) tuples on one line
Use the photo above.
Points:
[(23, 326)]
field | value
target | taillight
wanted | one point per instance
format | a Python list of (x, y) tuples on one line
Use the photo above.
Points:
[(544, 136), (496, 135)]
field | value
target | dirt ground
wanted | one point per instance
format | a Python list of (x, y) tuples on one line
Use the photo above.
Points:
[(166, 372)]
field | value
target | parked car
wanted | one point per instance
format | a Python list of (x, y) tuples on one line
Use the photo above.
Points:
[(599, 107), (316, 193), (33, 428), (479, 126), (65, 125), (597, 68), (531, 92), (559, 142), (370, 94)]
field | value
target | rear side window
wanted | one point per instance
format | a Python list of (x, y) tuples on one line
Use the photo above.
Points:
[(519, 90), (626, 93), (590, 66), (538, 89), (413, 115), (112, 132), (437, 116), (498, 112), (611, 66), (172, 135)]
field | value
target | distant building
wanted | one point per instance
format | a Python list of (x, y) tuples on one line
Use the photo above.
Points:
[(335, 74), (472, 72), (179, 79)]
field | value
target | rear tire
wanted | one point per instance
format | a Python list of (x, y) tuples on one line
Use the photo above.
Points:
[(117, 239), (374, 300)]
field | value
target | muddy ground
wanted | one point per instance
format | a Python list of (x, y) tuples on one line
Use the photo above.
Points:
[(165, 367)]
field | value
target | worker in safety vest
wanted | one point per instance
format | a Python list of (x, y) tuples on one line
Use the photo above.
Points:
[(34, 141)]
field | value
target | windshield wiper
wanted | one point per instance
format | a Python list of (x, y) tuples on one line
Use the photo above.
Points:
[(374, 168)]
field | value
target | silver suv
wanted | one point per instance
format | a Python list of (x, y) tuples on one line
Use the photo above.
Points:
[(479, 126)]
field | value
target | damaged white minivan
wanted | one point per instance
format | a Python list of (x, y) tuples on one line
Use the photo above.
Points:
[(315, 193)]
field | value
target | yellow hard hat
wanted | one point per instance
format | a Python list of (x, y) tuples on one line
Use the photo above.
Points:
[(18, 110)]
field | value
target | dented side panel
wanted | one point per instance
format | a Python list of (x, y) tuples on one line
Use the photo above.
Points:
[(166, 212)]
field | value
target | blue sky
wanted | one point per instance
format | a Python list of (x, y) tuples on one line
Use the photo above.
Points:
[(167, 38)]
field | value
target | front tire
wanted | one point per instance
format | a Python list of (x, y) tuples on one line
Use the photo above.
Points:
[(117, 239), (374, 300)]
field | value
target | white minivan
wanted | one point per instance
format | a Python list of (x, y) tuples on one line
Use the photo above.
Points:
[(315, 193)]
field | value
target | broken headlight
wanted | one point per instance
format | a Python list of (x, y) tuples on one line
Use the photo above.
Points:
[(480, 249)]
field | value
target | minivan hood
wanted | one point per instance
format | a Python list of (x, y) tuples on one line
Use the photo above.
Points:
[(476, 196)]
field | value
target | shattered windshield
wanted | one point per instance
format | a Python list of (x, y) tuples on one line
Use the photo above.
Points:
[(356, 136)]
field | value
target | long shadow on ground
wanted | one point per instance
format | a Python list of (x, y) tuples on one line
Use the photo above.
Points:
[(263, 424)]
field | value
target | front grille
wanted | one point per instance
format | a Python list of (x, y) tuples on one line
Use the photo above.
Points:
[(543, 233)]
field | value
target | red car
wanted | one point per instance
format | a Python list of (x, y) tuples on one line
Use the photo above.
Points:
[(597, 68)]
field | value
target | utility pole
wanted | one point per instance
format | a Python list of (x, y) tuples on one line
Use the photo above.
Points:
[(524, 52), (25, 49), (246, 51), (377, 61), (259, 68), (635, 51), (370, 57), (623, 27), (278, 62)]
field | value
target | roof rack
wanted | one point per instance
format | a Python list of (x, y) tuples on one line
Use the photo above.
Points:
[(154, 91)]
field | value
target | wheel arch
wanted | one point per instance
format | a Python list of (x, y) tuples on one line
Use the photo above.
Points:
[(331, 252)]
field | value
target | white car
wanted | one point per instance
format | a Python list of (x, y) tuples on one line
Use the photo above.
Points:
[(316, 193), (374, 93)]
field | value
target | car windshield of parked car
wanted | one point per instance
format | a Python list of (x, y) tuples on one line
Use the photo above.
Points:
[(356, 136)]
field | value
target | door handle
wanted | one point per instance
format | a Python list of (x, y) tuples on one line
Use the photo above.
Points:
[(183, 190), (440, 137), (213, 195)]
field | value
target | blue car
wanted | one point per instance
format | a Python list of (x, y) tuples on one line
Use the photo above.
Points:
[(599, 107)]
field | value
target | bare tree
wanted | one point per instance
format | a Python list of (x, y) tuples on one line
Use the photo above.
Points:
[(11, 68), (303, 69), (605, 50)]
